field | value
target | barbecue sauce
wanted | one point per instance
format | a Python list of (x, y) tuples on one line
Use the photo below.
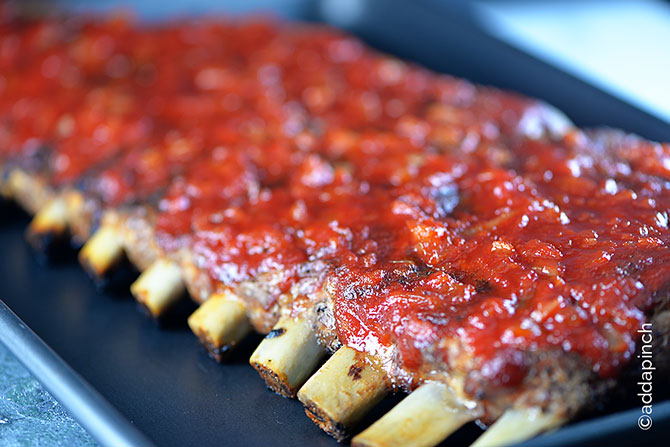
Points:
[(455, 225)]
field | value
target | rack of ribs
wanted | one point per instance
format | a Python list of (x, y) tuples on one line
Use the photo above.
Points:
[(463, 244)]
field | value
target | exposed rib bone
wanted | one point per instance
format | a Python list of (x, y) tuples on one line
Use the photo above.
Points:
[(27, 190), (424, 418), (288, 355), (49, 222), (342, 391), (159, 286), (516, 426), (102, 251), (220, 323)]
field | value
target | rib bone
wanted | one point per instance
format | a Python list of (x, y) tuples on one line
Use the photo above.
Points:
[(159, 286), (516, 426), (220, 323), (49, 222), (27, 190), (424, 418), (288, 355), (343, 390), (102, 251)]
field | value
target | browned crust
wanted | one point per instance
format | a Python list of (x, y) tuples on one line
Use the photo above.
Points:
[(218, 353), (275, 381), (214, 350), (335, 429)]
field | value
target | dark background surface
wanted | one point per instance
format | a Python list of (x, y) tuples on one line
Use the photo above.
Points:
[(158, 377), (161, 379)]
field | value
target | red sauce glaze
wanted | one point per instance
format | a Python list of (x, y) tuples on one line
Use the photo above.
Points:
[(60, 91), (562, 252), (448, 219), (440, 223), (323, 142)]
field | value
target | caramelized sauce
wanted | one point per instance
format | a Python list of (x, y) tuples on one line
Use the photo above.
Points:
[(446, 213)]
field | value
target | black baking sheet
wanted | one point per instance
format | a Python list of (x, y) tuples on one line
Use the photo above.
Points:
[(161, 380)]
